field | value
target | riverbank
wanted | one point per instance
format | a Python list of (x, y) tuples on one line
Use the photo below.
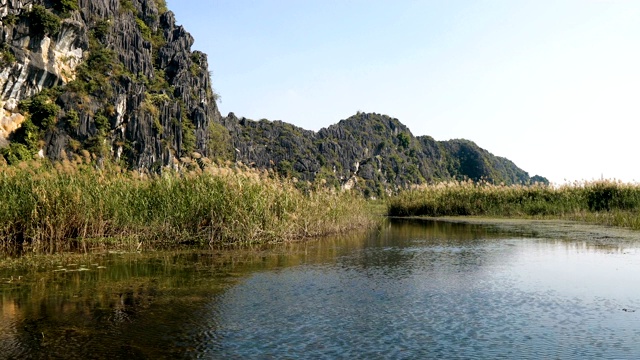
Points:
[(598, 202), (60, 206)]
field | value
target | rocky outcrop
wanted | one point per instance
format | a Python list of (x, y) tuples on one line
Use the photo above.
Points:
[(122, 80), (118, 79), (33, 61), (372, 152)]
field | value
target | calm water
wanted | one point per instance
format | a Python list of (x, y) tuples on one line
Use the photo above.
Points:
[(410, 290)]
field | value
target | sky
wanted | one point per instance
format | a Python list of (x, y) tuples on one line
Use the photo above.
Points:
[(553, 85)]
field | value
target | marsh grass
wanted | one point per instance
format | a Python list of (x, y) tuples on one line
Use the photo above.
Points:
[(604, 202), (69, 204)]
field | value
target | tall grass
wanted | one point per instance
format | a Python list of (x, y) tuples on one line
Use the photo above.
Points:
[(46, 205), (605, 202)]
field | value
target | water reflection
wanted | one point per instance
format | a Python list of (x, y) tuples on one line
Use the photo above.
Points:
[(409, 289)]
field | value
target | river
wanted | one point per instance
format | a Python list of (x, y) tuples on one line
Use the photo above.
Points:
[(410, 289)]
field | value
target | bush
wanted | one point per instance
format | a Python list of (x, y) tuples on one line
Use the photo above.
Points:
[(65, 6), (71, 119), (10, 19), (101, 30), (219, 142), (42, 110), (102, 124), (43, 21), (127, 6), (16, 153), (6, 58), (144, 29), (162, 6)]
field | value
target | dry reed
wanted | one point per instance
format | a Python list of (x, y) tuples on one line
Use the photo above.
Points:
[(45, 205), (605, 202)]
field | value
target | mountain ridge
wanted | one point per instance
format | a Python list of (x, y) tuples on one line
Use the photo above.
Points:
[(373, 152), (117, 79)]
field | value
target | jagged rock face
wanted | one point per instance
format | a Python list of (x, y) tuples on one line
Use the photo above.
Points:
[(118, 78), (126, 78), (374, 153), (40, 60)]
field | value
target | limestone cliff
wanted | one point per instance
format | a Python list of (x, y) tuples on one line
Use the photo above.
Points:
[(113, 77), (371, 152), (117, 79)]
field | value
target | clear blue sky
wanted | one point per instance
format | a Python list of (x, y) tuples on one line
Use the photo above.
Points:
[(552, 85)]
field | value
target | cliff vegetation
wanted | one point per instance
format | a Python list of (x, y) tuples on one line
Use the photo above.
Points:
[(373, 153), (115, 78), (118, 79)]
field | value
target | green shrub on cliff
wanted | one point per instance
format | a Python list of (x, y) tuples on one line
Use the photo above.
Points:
[(42, 110), (65, 6), (43, 21)]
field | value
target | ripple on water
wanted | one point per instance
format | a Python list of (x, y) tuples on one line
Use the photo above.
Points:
[(432, 307), (386, 298)]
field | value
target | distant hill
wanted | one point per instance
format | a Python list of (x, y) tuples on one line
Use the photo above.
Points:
[(118, 80), (371, 152)]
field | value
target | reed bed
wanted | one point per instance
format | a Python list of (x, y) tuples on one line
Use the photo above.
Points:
[(604, 202), (46, 205)]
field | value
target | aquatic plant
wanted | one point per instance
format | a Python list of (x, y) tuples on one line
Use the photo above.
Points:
[(605, 201), (60, 205)]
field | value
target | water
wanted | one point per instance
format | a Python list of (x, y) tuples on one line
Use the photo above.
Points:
[(410, 290)]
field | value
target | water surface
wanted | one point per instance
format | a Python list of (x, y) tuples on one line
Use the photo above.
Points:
[(411, 289)]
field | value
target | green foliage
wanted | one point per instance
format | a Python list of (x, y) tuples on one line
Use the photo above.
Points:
[(97, 145), (285, 168), (194, 69), (9, 20), (157, 125), (6, 56), (195, 57), (158, 99), (43, 21), (539, 179), (42, 110), (65, 6), (16, 152), (101, 30), (127, 6), (162, 6), (71, 119), (144, 29), (219, 142), (150, 106), (94, 75), (404, 140), (101, 59), (27, 135), (159, 83), (188, 131), (102, 123), (589, 200)]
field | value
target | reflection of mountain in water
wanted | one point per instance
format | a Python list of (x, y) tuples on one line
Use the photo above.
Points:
[(427, 245)]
